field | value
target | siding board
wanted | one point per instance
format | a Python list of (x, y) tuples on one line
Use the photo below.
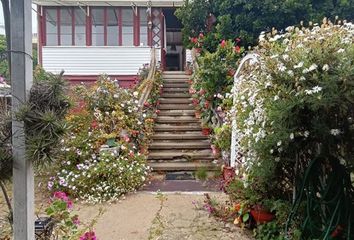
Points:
[(75, 60)]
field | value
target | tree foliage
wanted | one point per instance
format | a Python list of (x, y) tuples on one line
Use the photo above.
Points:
[(247, 18)]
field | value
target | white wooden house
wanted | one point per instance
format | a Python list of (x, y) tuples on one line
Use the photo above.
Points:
[(91, 37)]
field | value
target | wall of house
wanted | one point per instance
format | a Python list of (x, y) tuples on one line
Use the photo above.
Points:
[(89, 41), (95, 60)]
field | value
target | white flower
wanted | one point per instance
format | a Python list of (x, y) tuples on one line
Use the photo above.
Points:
[(291, 136), (276, 97), (306, 133), (316, 89), (335, 132), (312, 67), (325, 67), (135, 94), (299, 65), (278, 143), (340, 50)]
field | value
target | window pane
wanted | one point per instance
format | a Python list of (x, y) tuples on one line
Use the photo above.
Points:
[(66, 26), (51, 27), (143, 27), (80, 27), (112, 27), (127, 27), (97, 26)]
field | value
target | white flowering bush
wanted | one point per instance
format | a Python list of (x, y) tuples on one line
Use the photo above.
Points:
[(295, 113), (102, 155)]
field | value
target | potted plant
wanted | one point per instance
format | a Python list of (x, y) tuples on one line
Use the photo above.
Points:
[(261, 215), (228, 173), (206, 129)]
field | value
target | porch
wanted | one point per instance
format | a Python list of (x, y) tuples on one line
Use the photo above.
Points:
[(90, 38)]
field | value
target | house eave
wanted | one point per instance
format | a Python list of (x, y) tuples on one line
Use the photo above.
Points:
[(139, 3)]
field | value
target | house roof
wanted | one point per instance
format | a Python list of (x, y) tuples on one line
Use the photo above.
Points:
[(153, 3)]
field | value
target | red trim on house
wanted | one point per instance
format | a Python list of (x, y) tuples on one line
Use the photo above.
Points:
[(40, 34), (125, 81), (44, 27), (163, 50), (135, 28), (88, 27), (105, 26), (120, 33), (59, 23), (72, 26), (149, 19)]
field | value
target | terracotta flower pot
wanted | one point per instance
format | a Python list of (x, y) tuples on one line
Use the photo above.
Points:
[(261, 216), (206, 131), (228, 173), (197, 115)]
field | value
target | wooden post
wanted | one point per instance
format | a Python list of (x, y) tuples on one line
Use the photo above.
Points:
[(21, 81)]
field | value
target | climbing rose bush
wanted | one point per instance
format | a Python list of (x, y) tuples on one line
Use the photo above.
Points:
[(294, 110), (103, 153)]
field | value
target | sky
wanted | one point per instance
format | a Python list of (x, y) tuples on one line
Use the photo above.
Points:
[(34, 18)]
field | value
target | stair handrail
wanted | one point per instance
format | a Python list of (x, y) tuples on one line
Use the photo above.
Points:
[(148, 82), (253, 58)]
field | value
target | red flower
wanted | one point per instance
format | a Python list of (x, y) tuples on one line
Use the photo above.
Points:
[(157, 111), (202, 91), (223, 44), (146, 104), (237, 49), (94, 125), (194, 40), (206, 104)]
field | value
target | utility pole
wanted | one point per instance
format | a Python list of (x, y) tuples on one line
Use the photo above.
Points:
[(21, 81)]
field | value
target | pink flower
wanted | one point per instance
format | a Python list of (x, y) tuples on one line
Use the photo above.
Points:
[(76, 220), (202, 91), (88, 236), (201, 35), (126, 138), (61, 195), (69, 204), (223, 44)]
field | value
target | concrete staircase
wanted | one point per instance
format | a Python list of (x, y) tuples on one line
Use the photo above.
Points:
[(178, 143)]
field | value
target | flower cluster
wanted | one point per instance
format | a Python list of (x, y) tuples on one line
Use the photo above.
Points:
[(103, 154), (293, 110)]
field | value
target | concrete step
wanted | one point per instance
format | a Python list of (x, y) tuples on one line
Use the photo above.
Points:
[(175, 90), (175, 95), (179, 136), (175, 100), (176, 85), (177, 128), (176, 106), (181, 155), (174, 73), (179, 112), (183, 166), (176, 119), (180, 81), (184, 144)]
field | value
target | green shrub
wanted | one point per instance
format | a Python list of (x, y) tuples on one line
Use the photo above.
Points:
[(103, 155), (294, 115)]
